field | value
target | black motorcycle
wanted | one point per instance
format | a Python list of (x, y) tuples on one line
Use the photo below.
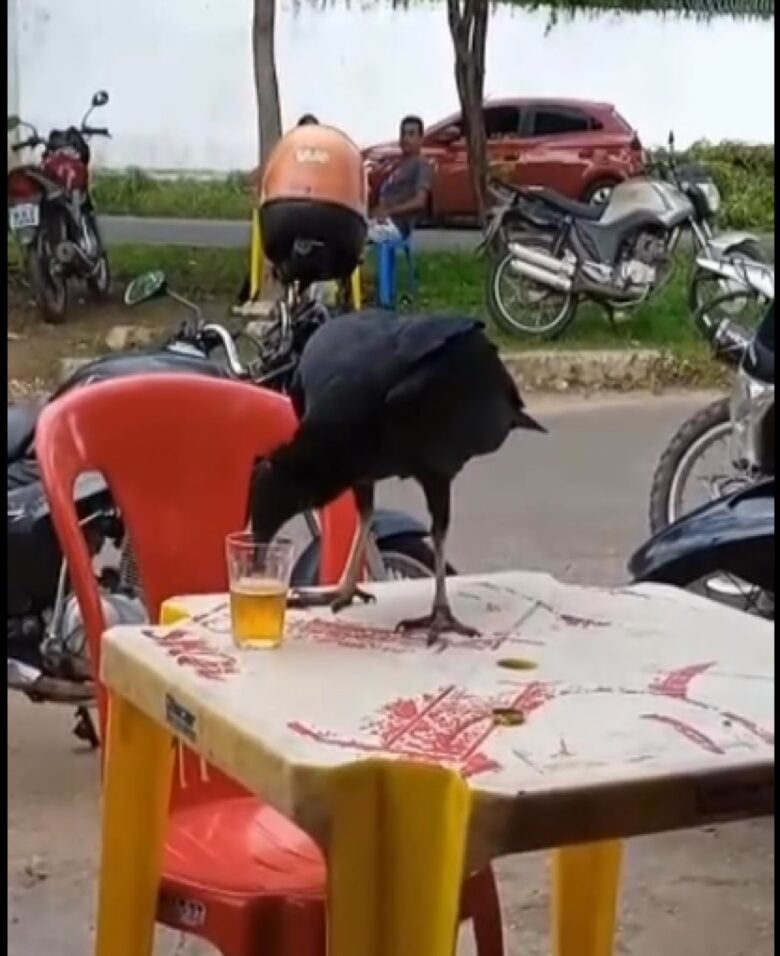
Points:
[(46, 646), (731, 538), (52, 216)]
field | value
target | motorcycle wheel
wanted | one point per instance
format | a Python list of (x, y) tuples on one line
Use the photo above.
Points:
[(408, 557), (703, 430), (533, 309), (50, 287), (706, 287), (99, 283)]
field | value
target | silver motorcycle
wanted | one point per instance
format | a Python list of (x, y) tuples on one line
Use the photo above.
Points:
[(730, 444), (552, 253)]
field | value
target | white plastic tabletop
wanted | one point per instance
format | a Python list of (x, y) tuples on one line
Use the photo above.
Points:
[(643, 708)]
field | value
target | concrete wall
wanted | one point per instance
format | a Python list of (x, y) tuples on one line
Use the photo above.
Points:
[(180, 74)]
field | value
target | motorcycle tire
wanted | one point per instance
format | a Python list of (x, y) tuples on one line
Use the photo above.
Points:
[(512, 324), (99, 283), (694, 435), (50, 289), (702, 280)]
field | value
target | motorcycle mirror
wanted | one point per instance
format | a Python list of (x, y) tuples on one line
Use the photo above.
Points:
[(145, 287), (100, 98), (671, 140), (14, 122)]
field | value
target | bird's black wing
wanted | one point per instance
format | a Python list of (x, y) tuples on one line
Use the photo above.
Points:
[(351, 364)]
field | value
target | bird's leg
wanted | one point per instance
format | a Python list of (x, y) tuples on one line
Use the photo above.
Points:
[(348, 589), (441, 620)]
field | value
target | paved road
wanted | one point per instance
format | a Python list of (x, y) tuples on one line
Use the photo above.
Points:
[(574, 503), (212, 233), (231, 235)]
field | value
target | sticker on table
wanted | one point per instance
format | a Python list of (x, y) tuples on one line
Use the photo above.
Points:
[(449, 726), (179, 719), (193, 651)]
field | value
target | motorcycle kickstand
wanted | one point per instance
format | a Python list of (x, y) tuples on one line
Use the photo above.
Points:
[(85, 728)]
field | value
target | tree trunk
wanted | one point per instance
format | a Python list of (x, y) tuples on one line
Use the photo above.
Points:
[(468, 20), (269, 119)]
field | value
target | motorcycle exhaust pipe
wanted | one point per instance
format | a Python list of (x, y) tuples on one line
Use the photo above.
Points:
[(542, 276), (542, 260)]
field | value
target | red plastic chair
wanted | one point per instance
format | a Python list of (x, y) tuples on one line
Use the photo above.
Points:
[(177, 452)]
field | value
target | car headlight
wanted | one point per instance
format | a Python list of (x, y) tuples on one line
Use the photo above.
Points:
[(711, 195)]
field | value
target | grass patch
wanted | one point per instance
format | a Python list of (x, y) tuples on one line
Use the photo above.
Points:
[(135, 193), (447, 282)]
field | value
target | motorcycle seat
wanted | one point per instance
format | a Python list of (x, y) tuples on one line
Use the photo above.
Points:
[(22, 420), (579, 210)]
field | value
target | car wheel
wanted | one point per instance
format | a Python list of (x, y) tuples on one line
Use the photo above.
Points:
[(599, 192)]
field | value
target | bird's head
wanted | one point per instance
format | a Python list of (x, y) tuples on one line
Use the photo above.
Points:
[(274, 498)]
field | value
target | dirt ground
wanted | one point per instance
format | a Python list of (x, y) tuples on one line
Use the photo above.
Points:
[(35, 349)]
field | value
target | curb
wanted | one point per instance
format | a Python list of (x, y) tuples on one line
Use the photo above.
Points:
[(619, 370)]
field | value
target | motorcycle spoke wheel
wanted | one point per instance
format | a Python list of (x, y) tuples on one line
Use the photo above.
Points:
[(728, 589), (49, 284), (520, 305)]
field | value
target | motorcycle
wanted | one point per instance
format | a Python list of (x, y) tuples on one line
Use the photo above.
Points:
[(731, 538), (743, 423), (52, 216), (46, 646), (551, 253)]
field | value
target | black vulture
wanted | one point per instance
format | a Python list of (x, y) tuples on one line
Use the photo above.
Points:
[(378, 396)]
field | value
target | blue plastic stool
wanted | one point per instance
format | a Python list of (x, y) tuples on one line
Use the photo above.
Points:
[(386, 274)]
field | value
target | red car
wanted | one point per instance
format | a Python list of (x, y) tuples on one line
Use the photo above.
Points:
[(579, 148)]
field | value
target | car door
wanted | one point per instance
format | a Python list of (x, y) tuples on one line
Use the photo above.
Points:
[(453, 194), (556, 148)]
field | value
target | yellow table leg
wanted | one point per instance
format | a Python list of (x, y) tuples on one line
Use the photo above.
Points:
[(357, 290), (586, 879), (396, 856), (139, 761), (255, 258)]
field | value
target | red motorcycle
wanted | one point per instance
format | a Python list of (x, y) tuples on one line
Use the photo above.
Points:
[(52, 217)]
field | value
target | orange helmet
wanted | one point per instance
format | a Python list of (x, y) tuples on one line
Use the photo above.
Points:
[(313, 204), (317, 163)]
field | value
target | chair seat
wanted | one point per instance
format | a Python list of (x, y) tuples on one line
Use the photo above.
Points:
[(241, 846)]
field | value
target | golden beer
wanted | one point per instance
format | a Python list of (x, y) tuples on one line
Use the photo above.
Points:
[(259, 576), (257, 607)]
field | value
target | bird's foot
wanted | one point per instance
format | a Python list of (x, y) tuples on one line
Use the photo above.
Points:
[(335, 598), (344, 598), (440, 621)]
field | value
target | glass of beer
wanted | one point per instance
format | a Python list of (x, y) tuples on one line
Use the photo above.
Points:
[(259, 579)]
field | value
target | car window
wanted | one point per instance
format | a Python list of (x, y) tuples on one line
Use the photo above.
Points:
[(556, 121), (501, 121)]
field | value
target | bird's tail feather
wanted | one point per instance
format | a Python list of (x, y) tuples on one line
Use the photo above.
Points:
[(524, 420)]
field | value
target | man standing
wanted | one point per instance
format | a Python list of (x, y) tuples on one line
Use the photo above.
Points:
[(403, 196)]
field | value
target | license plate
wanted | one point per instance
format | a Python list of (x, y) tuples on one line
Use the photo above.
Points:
[(24, 215)]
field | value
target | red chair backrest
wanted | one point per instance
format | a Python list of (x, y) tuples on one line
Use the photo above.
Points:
[(177, 452)]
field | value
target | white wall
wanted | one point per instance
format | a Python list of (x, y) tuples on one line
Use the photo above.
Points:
[(180, 75)]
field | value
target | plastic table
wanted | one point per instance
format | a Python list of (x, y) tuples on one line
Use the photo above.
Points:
[(579, 717)]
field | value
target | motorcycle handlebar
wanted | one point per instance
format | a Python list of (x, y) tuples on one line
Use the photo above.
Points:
[(225, 339), (25, 143), (95, 131)]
